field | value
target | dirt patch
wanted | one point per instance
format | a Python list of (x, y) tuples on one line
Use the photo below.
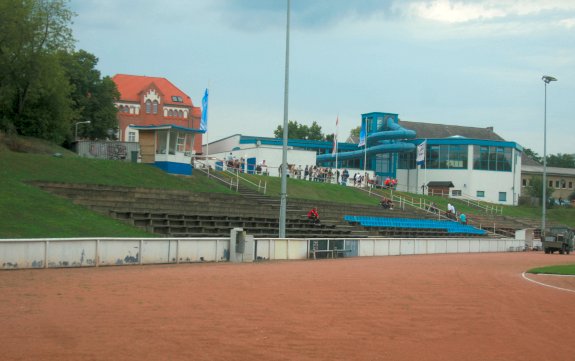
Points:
[(436, 307)]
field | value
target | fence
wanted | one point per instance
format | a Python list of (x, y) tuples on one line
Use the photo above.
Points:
[(111, 150), (95, 252)]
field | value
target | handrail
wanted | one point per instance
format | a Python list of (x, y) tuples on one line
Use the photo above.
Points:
[(424, 205), (235, 173), (230, 182), (493, 209)]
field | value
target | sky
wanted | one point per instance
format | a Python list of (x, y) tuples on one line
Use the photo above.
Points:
[(470, 63)]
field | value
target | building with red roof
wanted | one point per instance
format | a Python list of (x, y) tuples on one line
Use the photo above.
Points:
[(154, 101)]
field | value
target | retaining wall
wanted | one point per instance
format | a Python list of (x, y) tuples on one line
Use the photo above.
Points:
[(95, 252)]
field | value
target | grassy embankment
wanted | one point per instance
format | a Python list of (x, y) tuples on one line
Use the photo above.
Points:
[(26, 211)]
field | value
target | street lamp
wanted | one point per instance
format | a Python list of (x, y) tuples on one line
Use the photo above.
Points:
[(76, 133), (546, 79)]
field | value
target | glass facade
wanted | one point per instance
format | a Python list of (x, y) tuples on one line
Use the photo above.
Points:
[(492, 158), (446, 156)]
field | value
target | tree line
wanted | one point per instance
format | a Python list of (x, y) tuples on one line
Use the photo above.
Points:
[(46, 85)]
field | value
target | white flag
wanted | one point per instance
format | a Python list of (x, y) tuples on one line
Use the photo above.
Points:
[(421, 152)]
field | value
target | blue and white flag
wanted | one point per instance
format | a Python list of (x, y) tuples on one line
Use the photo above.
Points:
[(204, 122), (362, 135), (421, 153)]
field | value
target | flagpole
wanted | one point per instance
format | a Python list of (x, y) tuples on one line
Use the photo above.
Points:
[(365, 149), (335, 140), (425, 162), (283, 191)]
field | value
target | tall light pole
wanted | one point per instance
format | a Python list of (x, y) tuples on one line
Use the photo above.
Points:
[(546, 79), (283, 193), (76, 133)]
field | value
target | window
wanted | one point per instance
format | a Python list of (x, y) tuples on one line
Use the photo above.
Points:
[(181, 114), (524, 182), (502, 197), (180, 142), (563, 184), (456, 193), (406, 160), (161, 140), (170, 113), (177, 99), (551, 184), (570, 185), (121, 109), (556, 184), (480, 194), (131, 136), (492, 158), (148, 106), (446, 156), (155, 107), (173, 140)]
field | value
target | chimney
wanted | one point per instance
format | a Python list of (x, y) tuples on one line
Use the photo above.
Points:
[(490, 129)]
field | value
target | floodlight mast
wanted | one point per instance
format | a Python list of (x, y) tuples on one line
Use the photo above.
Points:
[(546, 79)]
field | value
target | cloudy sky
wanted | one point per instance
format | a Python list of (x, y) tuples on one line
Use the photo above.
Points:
[(472, 63)]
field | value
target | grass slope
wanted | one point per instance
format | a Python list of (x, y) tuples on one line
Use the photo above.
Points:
[(28, 212)]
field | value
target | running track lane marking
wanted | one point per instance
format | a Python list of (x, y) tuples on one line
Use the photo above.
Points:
[(546, 285)]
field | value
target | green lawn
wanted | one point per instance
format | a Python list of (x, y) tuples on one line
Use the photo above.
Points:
[(568, 269), (27, 212)]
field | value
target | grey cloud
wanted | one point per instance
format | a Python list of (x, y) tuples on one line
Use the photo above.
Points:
[(250, 15)]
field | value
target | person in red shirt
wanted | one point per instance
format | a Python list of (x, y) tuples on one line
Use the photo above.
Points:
[(313, 216)]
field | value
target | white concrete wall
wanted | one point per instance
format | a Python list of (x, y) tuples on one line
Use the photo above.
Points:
[(222, 145), (271, 155), (469, 181), (89, 252)]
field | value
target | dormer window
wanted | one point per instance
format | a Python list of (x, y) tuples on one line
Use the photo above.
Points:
[(155, 107), (148, 106), (177, 99)]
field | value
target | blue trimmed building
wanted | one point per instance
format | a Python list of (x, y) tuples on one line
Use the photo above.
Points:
[(478, 162)]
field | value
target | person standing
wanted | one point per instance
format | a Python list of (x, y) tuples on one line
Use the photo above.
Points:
[(463, 218)]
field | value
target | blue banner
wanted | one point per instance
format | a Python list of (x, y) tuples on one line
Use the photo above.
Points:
[(362, 135), (204, 122)]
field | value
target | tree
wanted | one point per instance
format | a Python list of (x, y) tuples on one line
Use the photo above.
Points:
[(300, 131), (531, 154), (536, 188), (34, 94), (561, 160), (93, 96), (355, 132)]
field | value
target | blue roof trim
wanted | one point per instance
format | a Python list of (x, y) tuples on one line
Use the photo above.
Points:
[(469, 141), (167, 126), (298, 143)]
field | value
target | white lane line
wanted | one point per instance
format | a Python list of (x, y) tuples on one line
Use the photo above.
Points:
[(546, 285)]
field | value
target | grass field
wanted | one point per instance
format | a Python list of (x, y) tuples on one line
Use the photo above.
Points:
[(27, 212), (556, 270)]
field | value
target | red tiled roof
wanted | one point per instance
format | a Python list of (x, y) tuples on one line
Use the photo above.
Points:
[(130, 87)]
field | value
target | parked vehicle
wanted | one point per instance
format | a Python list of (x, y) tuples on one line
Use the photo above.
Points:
[(558, 239)]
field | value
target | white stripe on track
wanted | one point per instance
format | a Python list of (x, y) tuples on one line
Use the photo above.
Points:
[(546, 285)]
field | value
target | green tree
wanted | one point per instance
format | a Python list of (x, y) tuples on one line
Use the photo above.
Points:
[(34, 94), (536, 188), (355, 132), (561, 160), (300, 131), (531, 154), (93, 96)]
